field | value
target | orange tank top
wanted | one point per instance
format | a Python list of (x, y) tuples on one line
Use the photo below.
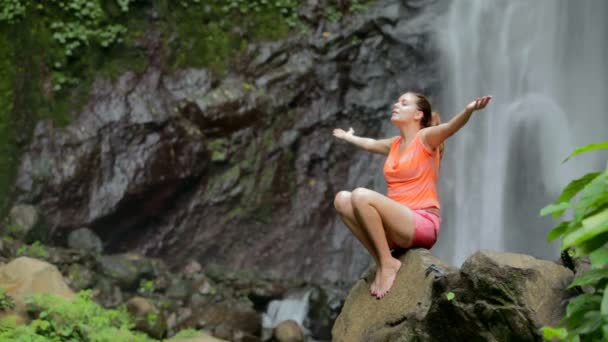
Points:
[(412, 177)]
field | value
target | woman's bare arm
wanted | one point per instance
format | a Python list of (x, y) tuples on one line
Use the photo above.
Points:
[(436, 135), (381, 146)]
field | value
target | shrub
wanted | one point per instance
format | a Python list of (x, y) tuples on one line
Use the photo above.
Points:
[(585, 235)]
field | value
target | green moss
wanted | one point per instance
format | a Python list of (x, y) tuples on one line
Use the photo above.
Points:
[(212, 35), (8, 150), (269, 26), (218, 149)]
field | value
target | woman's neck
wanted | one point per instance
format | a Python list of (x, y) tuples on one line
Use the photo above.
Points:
[(409, 132)]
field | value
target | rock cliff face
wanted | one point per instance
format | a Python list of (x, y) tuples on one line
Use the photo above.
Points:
[(239, 170)]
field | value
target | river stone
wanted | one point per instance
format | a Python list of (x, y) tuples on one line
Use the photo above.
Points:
[(289, 331), (85, 239), (126, 269), (22, 219), (147, 317), (229, 319), (80, 277)]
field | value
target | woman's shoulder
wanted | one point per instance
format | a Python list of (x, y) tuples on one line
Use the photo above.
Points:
[(421, 137)]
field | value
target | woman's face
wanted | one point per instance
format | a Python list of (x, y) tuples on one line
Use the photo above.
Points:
[(405, 109)]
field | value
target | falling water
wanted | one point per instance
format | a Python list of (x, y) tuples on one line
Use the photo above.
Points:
[(545, 63)]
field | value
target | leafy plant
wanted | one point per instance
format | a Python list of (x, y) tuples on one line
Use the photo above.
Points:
[(188, 333), (77, 319), (75, 25), (586, 234), (35, 250), (6, 302), (146, 287)]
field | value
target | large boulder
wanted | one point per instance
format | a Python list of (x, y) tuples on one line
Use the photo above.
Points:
[(365, 318), (493, 297), (25, 276)]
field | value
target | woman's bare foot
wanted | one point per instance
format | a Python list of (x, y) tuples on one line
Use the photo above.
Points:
[(385, 276), (373, 288)]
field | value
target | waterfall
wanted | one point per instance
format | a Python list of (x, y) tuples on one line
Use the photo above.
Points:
[(545, 63), (293, 307)]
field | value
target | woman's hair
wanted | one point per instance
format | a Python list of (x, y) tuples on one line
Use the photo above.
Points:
[(429, 118)]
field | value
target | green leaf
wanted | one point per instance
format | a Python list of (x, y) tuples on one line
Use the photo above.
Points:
[(604, 306), (591, 245), (575, 186), (550, 333), (450, 295), (583, 303), (555, 209), (590, 147), (592, 226), (593, 320), (594, 195), (599, 258), (590, 277), (558, 230)]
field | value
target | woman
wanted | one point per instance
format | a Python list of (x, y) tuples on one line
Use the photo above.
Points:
[(409, 215)]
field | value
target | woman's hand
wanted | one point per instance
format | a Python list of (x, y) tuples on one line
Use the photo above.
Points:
[(341, 134), (479, 103)]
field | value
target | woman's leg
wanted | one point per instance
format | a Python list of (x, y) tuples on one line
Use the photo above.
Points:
[(383, 219), (344, 206)]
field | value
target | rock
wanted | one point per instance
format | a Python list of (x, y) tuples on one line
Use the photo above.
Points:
[(179, 288), (85, 239), (127, 270), (363, 317), (288, 331), (192, 268), (324, 306), (24, 224), (228, 319), (25, 276), (147, 317), (493, 297), (80, 277)]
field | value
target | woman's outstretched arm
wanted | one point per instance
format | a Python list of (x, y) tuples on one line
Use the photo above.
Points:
[(382, 146), (436, 135)]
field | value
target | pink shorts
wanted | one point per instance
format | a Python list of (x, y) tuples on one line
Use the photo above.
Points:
[(426, 228)]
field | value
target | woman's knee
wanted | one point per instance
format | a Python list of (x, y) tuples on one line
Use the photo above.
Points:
[(360, 196), (342, 201)]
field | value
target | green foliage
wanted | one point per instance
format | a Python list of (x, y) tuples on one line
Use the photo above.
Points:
[(333, 14), (11, 10), (78, 319), (35, 250), (74, 24), (586, 234), (449, 296), (6, 302), (146, 287), (188, 333)]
